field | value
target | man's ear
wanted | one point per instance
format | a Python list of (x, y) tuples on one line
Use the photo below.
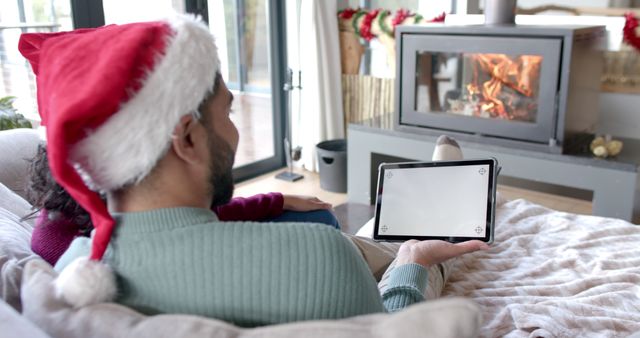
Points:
[(185, 140)]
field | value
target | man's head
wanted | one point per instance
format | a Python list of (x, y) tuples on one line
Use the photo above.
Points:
[(118, 104), (202, 151)]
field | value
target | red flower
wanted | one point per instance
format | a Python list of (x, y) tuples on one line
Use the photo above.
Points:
[(400, 16), (629, 31), (365, 27), (347, 13), (439, 18)]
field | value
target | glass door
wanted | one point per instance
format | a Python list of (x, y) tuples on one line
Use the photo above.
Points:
[(246, 36)]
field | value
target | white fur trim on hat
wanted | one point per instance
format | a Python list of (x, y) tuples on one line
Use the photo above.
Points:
[(85, 282), (128, 145)]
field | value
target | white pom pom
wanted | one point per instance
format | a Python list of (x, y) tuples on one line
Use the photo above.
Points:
[(85, 282)]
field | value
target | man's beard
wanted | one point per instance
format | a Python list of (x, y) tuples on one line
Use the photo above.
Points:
[(221, 170)]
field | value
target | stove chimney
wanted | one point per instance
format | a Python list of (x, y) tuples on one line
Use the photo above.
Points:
[(500, 12)]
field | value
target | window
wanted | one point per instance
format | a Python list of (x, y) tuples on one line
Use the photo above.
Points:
[(17, 17)]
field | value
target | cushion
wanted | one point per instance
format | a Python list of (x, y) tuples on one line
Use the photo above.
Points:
[(12, 324), (15, 252), (15, 204), (18, 147), (450, 317)]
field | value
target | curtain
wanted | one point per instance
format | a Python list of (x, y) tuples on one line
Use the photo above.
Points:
[(317, 107)]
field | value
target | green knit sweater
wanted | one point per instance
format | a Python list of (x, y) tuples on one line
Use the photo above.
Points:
[(184, 260)]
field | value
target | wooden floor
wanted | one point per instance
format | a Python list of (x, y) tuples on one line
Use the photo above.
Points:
[(310, 185)]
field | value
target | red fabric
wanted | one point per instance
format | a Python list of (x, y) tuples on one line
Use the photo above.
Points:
[(51, 238), (255, 208), (80, 85)]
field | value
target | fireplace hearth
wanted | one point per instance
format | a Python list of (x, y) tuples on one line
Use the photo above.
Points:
[(534, 87)]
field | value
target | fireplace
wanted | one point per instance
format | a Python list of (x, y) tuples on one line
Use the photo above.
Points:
[(534, 87)]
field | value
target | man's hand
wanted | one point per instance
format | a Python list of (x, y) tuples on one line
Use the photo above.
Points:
[(427, 253), (304, 203)]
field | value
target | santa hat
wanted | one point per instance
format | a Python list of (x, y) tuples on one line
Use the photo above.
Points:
[(110, 99)]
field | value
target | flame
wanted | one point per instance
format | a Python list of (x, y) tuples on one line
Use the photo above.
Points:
[(519, 73)]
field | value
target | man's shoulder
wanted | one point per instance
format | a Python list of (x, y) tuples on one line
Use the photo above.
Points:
[(288, 229)]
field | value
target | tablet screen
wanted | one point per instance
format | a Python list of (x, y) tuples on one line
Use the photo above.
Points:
[(436, 200)]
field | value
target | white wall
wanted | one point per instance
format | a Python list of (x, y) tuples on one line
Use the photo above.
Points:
[(567, 3), (620, 115)]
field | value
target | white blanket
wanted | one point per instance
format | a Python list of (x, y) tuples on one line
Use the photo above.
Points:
[(554, 274)]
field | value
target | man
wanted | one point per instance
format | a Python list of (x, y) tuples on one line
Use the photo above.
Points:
[(141, 112)]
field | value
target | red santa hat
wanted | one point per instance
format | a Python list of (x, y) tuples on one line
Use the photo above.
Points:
[(110, 99)]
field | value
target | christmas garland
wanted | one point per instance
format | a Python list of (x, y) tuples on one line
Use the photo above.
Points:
[(401, 15), (439, 18), (383, 24), (356, 17), (363, 28), (347, 13), (629, 31)]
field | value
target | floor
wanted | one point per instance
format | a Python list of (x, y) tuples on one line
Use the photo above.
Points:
[(253, 116), (310, 185)]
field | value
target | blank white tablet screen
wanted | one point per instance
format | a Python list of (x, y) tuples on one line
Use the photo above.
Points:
[(435, 201)]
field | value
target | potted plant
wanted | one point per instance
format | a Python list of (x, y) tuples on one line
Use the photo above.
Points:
[(9, 117)]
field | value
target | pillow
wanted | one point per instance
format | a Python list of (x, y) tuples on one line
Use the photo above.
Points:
[(15, 252), (12, 322), (14, 204), (451, 317), (17, 147)]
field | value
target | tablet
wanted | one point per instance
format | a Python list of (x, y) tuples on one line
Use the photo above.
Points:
[(446, 200)]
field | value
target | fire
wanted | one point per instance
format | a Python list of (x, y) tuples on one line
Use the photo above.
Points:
[(510, 79)]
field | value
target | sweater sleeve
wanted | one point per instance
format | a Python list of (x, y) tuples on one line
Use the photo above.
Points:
[(255, 208), (405, 287), (50, 238)]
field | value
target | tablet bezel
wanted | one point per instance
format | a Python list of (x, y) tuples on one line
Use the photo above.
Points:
[(491, 198)]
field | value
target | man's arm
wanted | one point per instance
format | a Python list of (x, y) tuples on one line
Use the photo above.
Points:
[(405, 286), (408, 279), (263, 207)]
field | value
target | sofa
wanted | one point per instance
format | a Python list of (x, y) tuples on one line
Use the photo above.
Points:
[(30, 308)]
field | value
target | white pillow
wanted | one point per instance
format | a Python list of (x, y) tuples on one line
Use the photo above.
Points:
[(15, 252), (450, 317), (14, 204), (18, 147)]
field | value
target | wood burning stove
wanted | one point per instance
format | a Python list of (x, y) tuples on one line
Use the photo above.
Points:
[(534, 87)]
